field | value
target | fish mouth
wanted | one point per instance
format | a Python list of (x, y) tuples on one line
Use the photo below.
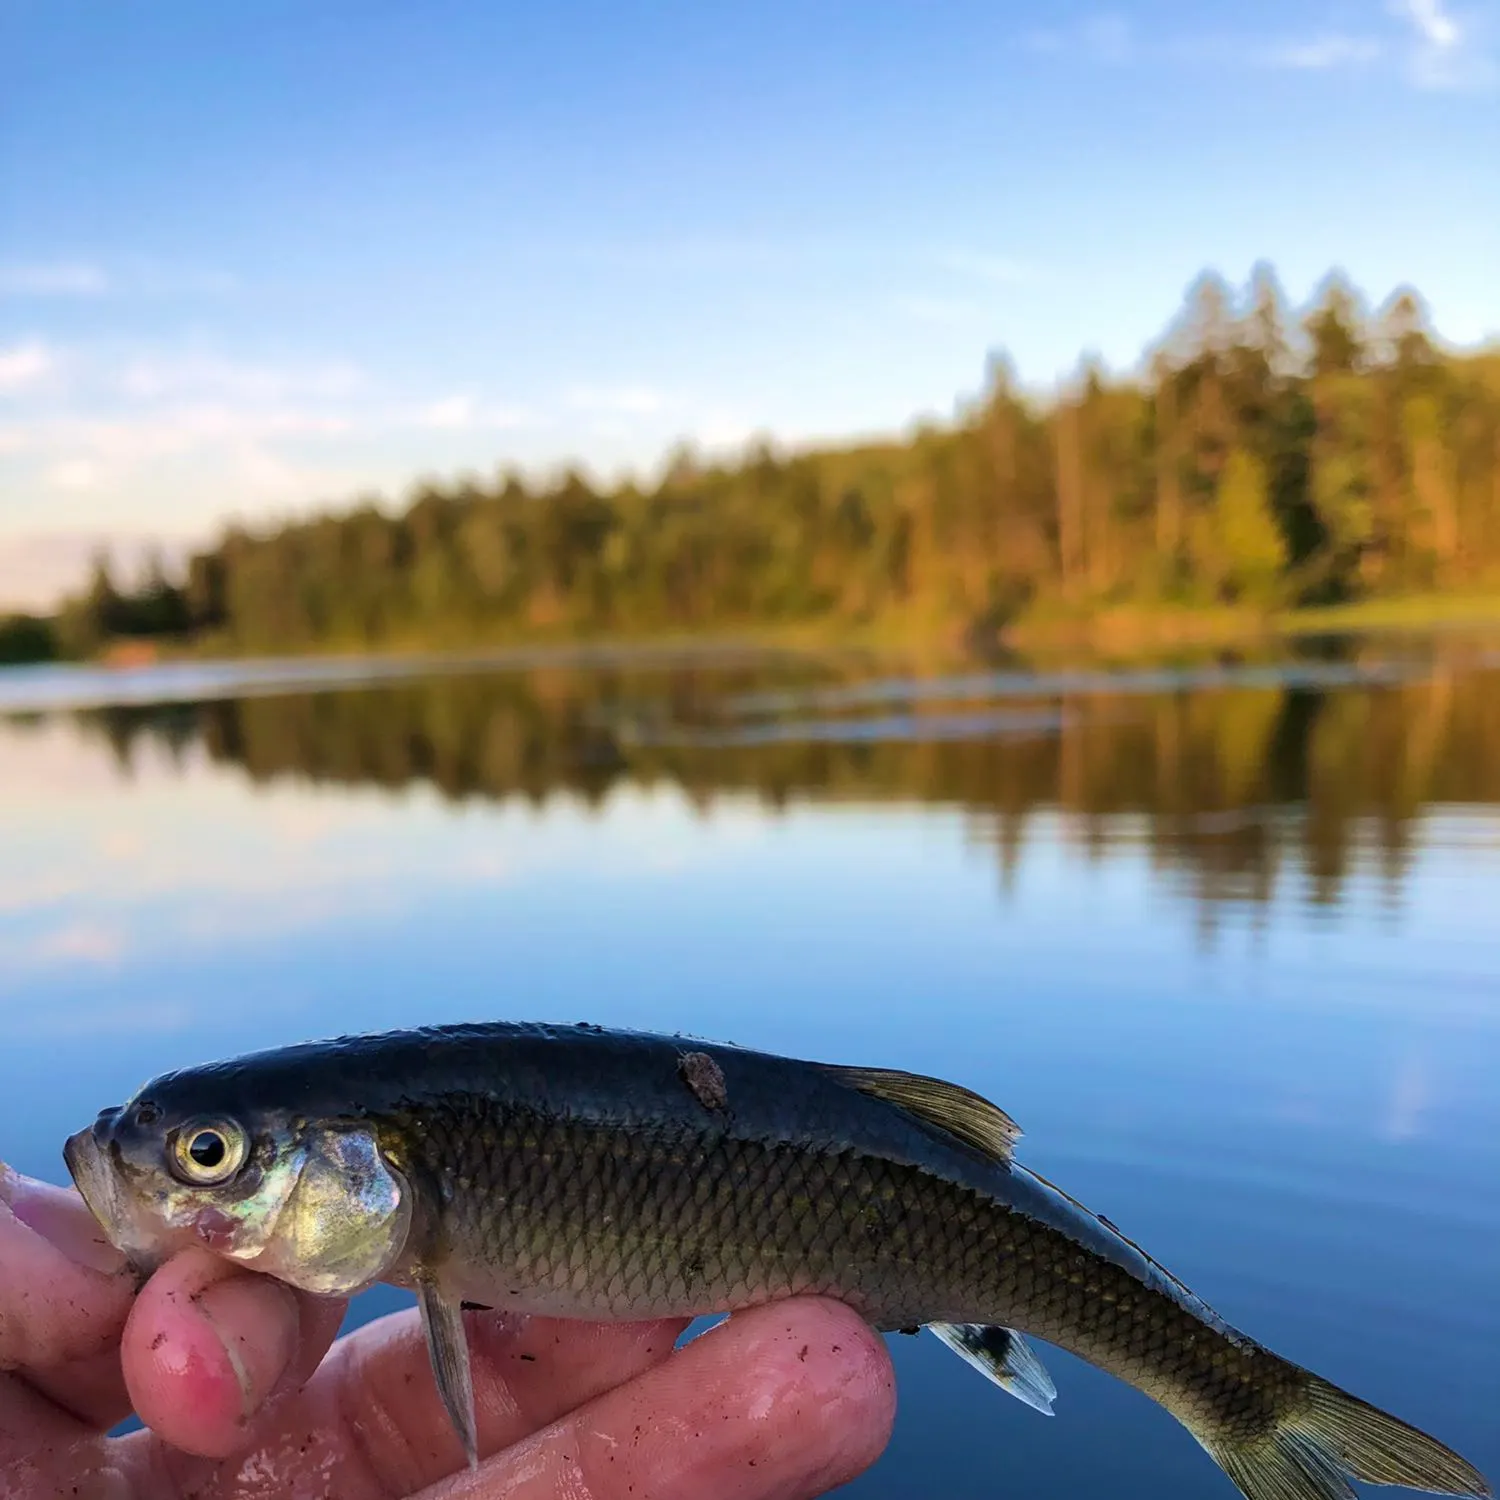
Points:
[(89, 1165), (89, 1169)]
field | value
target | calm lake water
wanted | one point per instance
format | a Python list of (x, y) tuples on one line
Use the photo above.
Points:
[(1224, 940)]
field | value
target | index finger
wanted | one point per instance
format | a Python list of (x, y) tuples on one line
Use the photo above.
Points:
[(66, 1290)]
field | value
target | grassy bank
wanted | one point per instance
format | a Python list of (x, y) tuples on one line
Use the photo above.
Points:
[(1418, 612), (1143, 630), (1123, 632)]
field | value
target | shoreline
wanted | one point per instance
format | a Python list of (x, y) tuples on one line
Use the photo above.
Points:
[(1122, 633), (1129, 630)]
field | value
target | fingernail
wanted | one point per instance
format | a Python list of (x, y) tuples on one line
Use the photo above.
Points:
[(61, 1219), (258, 1323)]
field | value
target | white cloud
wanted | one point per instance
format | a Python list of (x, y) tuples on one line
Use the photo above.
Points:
[(73, 474), (1441, 48), (623, 400), (151, 429), (88, 471), (464, 412), (183, 439), (451, 411), (124, 440), (59, 279), (82, 278), (1105, 38), (25, 365), (1329, 50), (1434, 25), (75, 942), (121, 425), (723, 430), (1448, 53), (154, 377)]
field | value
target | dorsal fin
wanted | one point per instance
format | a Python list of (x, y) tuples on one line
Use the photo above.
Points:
[(949, 1106)]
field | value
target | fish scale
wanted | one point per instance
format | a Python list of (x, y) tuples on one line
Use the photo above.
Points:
[(596, 1174), (609, 1222)]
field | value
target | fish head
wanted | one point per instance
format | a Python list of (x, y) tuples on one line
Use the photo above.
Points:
[(309, 1199)]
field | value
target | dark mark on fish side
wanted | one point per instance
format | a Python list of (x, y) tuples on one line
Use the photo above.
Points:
[(705, 1078)]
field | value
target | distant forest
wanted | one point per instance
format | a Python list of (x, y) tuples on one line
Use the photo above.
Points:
[(1260, 458)]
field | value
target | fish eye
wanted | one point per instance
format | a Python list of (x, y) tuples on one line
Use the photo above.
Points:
[(207, 1152)]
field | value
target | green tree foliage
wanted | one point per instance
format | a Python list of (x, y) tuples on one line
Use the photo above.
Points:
[(86, 622), (1258, 457), (26, 638), (1239, 549), (104, 612)]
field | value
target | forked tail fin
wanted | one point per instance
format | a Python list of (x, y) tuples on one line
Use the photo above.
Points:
[(1333, 1437)]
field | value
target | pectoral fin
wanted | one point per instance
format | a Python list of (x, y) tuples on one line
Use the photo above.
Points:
[(448, 1348), (1003, 1355)]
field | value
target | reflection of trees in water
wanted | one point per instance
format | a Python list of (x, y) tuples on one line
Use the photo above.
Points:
[(1227, 790)]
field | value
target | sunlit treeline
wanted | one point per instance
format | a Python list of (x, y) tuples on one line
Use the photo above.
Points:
[(1260, 456), (1235, 791)]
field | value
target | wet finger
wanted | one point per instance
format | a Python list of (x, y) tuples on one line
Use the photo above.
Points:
[(209, 1345), (370, 1423), (780, 1403), (67, 1291)]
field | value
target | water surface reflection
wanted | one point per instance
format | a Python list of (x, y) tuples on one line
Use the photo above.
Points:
[(1226, 948), (1231, 778)]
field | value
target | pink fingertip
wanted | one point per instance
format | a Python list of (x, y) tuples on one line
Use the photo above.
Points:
[(201, 1359)]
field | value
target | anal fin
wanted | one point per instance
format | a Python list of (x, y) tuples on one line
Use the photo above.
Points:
[(1004, 1356), (448, 1348)]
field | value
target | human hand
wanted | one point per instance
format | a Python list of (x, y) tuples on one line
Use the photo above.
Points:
[(227, 1369)]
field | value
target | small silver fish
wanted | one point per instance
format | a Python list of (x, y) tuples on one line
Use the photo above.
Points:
[(579, 1172)]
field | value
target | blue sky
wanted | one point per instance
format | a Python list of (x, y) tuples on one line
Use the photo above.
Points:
[(260, 256)]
